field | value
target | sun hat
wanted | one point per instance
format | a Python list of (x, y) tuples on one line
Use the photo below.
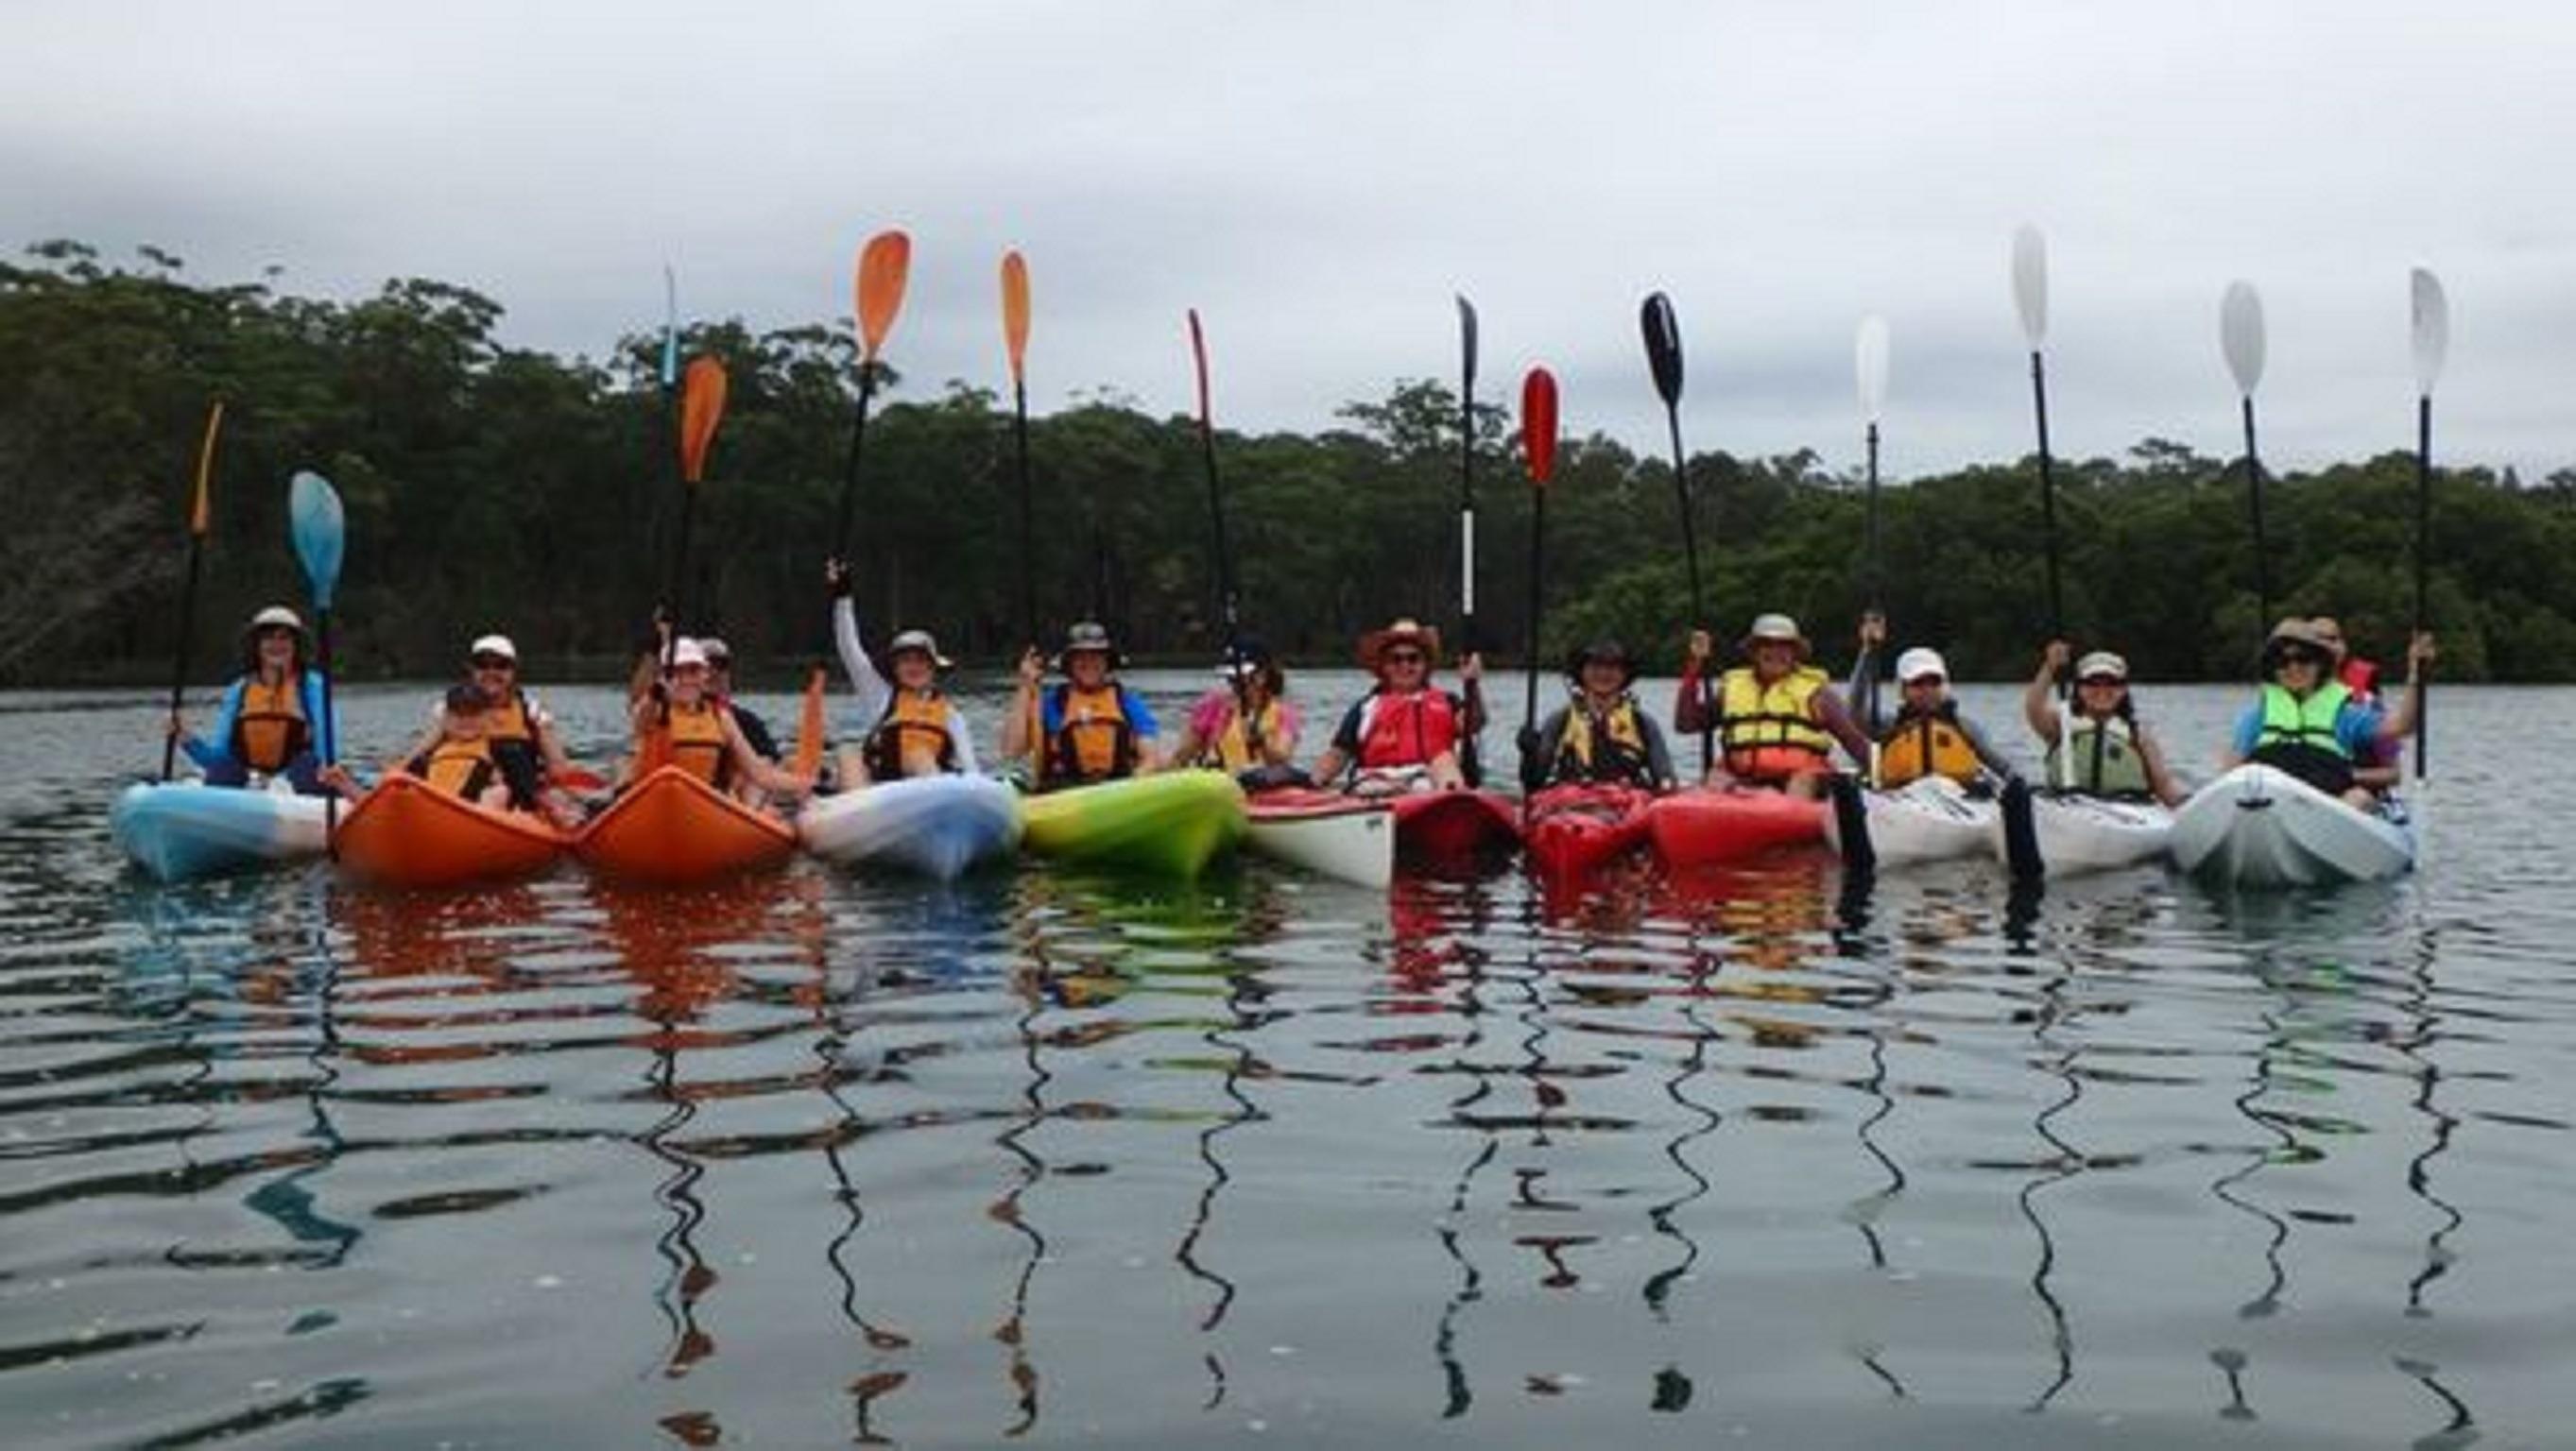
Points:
[(922, 641), (275, 615), (2296, 633), (493, 645), (1776, 627), (2102, 662), (1919, 662), (1088, 635), (1405, 631), (717, 651), (686, 652)]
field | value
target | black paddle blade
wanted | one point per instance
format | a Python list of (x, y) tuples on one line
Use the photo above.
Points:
[(1851, 828), (2021, 834), (1467, 343), (1663, 346)]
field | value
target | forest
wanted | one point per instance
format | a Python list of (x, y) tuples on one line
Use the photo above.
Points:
[(490, 487)]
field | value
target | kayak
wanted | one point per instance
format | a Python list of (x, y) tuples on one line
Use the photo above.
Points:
[(1454, 828), (1348, 838), (2258, 826), (2079, 833), (181, 830), (406, 833), (1927, 819), (1706, 825), (1170, 825), (939, 826), (1573, 830), (672, 827)]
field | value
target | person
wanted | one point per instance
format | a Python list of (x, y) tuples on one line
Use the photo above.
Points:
[(2096, 746), (1600, 735), (1406, 731), (2359, 676), (1088, 727), (1215, 735), (2307, 723), (1777, 719), (680, 724), (1927, 736), (917, 730), (720, 690), (462, 756), (265, 724), (526, 746)]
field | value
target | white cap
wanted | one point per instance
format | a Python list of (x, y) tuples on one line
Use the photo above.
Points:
[(277, 615), (1918, 662), (2101, 662), (493, 645), (716, 649), (686, 652)]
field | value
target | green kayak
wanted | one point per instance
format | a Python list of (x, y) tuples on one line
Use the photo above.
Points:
[(1171, 825)]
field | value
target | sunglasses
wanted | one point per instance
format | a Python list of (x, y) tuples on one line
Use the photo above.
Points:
[(2104, 680), (1404, 657), (1929, 680), (495, 662), (2301, 657), (274, 632)]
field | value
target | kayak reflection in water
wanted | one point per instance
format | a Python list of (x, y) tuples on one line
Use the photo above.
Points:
[(2096, 744), (678, 723), (1087, 727), (2308, 723), (916, 729), (1601, 736), (264, 726), (1405, 733), (1245, 725), (1776, 718)]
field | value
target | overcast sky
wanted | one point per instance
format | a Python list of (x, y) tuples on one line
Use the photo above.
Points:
[(1318, 178)]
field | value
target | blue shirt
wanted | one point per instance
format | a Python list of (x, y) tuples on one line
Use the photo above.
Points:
[(1140, 717)]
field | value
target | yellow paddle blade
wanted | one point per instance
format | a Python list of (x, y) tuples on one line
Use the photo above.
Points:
[(702, 400), (1015, 310), (883, 264), (809, 728), (201, 510)]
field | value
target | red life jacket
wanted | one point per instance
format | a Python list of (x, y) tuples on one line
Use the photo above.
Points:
[(1407, 730)]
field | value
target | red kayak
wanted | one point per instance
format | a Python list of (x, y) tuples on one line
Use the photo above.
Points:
[(407, 833), (1454, 828), (672, 827), (1711, 824), (1575, 829)]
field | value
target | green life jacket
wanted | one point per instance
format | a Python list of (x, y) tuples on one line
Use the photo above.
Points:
[(2288, 721), (2105, 759)]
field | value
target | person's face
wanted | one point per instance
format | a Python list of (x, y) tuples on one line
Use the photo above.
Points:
[(1604, 678), (913, 670), (494, 675), (2101, 694), (2299, 669), (1925, 690), (2330, 632), (1774, 658), (465, 725), (276, 646), (689, 684), (1088, 668), (1403, 666), (720, 674)]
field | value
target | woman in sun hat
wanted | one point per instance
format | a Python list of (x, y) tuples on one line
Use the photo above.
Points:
[(1245, 723), (1086, 727), (1776, 716), (2307, 723), (915, 728), (2096, 745), (1601, 735), (1406, 730), (266, 723)]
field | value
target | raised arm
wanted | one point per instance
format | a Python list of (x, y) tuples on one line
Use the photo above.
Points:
[(2039, 698)]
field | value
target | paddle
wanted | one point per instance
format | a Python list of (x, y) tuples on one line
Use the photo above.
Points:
[(670, 330), (200, 520), (2030, 297), (1015, 343), (2430, 315), (1869, 368), (1466, 476), (809, 728), (1226, 603), (2240, 336), (1538, 447), (1664, 358), (883, 265), (317, 526), (702, 401)]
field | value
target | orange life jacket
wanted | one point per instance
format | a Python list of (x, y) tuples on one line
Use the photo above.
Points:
[(1096, 741), (917, 737), (1929, 743), (457, 768), (696, 739), (270, 729)]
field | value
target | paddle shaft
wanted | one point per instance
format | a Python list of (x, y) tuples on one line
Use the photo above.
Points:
[(326, 731), (858, 445), (1876, 602), (2254, 496), (1467, 516), (2423, 551), (1028, 514), (2048, 505), (1690, 558), (1537, 598), (179, 662)]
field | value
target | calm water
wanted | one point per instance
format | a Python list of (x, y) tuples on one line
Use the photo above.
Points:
[(817, 1158)]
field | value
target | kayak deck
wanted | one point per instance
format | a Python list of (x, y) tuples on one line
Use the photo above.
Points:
[(939, 826), (179, 831), (407, 833), (1172, 824), (672, 827)]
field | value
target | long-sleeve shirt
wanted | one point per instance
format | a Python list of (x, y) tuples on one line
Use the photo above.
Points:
[(876, 693), (1551, 735), (216, 746)]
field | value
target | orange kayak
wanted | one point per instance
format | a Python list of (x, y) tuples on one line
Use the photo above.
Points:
[(673, 827), (407, 833)]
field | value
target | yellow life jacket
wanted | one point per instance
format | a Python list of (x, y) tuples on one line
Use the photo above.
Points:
[(1765, 730), (1926, 744), (917, 737), (1232, 749), (457, 768), (1094, 741), (270, 730), (1608, 747), (697, 742), (512, 733)]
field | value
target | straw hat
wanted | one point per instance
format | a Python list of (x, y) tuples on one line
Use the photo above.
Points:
[(1403, 632)]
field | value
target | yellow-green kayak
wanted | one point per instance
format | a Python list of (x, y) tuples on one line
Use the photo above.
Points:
[(1170, 825)]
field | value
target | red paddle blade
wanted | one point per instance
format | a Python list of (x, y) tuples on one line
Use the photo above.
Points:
[(702, 400), (201, 509), (1198, 355), (1015, 311), (1538, 424), (809, 728), (884, 263)]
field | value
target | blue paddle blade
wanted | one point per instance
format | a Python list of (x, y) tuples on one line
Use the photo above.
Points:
[(670, 330), (313, 518)]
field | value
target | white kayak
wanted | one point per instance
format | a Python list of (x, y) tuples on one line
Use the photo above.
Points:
[(181, 830), (1348, 838), (1927, 819), (2080, 833), (2261, 827), (939, 826)]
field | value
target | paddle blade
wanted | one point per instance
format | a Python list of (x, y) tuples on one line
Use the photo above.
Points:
[(702, 401), (1015, 311), (314, 521), (1198, 359), (2030, 284), (670, 329), (201, 515), (884, 263), (1663, 346), (2432, 320), (809, 724), (1869, 366), (1467, 346), (1538, 424), (2240, 334)]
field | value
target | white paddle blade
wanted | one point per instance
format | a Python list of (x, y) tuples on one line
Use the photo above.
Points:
[(2030, 283), (2432, 318), (2240, 334), (1869, 363)]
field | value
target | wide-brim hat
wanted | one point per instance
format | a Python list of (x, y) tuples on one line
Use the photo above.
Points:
[(1091, 636), (2295, 631), (277, 615), (920, 640), (1776, 628), (1605, 650), (1403, 632)]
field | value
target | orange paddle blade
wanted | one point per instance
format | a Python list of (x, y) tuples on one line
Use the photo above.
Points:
[(809, 728), (201, 510), (1015, 310), (883, 264), (1538, 424), (1198, 357), (702, 400)]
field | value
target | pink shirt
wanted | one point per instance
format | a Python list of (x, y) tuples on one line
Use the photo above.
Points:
[(1214, 709)]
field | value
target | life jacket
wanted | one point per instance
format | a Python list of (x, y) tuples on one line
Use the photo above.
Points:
[(2298, 736), (270, 729), (1094, 740), (1765, 729), (2361, 677), (1610, 746), (1406, 730), (1926, 743), (696, 737), (1232, 749), (915, 737), (2104, 759), (457, 768), (510, 729)]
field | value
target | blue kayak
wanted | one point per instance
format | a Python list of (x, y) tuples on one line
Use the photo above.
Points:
[(181, 830), (939, 826)]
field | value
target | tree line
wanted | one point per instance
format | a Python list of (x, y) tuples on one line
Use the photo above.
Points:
[(490, 487)]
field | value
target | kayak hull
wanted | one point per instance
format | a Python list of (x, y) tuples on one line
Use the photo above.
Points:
[(179, 831), (939, 826), (1169, 825), (406, 833), (1574, 831), (2261, 827), (2077, 833), (673, 828), (1454, 828), (1929, 819), (1708, 825), (1347, 838)]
